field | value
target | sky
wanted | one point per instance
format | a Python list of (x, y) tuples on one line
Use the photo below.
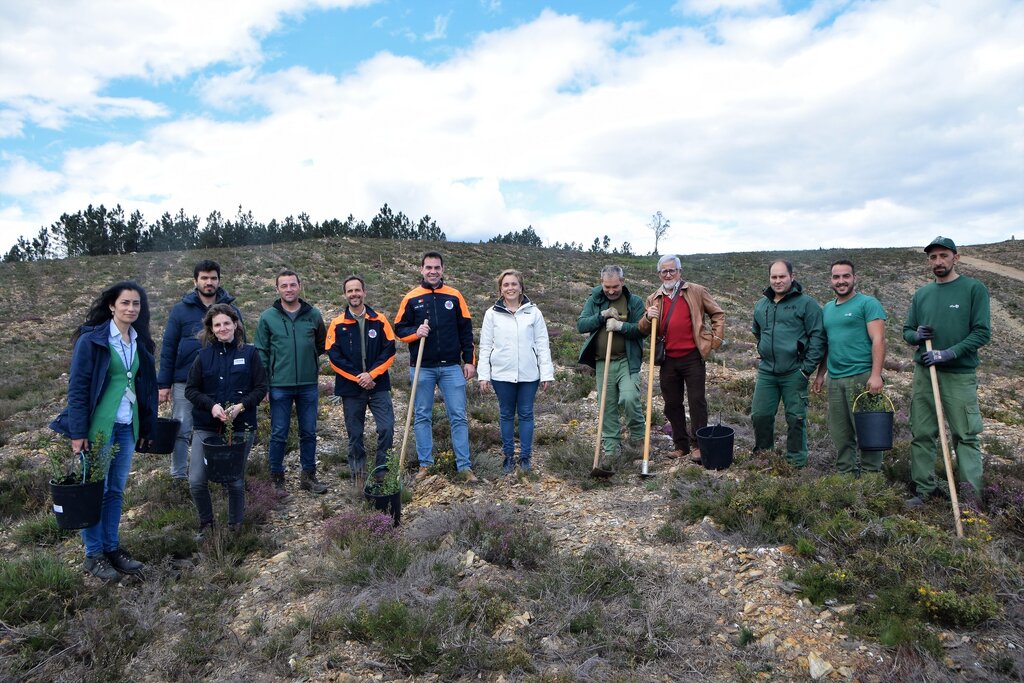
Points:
[(750, 124)]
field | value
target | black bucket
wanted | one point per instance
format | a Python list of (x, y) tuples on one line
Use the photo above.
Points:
[(224, 462), (390, 504), (77, 506), (715, 444), (874, 430), (163, 437)]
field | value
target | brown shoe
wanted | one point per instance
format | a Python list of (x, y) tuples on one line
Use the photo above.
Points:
[(695, 455), (421, 474), (468, 477), (675, 455)]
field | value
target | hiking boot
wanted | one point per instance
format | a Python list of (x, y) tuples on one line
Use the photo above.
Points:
[(421, 474), (309, 482), (675, 455), (99, 566), (695, 455), (278, 479), (525, 466), (467, 477), (509, 464), (122, 561)]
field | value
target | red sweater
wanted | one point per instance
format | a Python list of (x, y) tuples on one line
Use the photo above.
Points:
[(679, 335)]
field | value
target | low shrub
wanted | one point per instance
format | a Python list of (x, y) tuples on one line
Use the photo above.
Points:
[(37, 587)]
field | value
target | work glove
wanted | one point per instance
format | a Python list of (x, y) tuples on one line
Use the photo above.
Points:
[(930, 358), (613, 325), (923, 332), (610, 312)]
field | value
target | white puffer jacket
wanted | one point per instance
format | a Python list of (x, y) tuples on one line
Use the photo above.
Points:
[(514, 346)]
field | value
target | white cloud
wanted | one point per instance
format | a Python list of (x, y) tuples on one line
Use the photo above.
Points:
[(440, 30), (707, 7), (894, 122), (20, 177)]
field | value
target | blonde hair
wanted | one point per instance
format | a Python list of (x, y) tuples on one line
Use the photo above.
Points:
[(515, 273)]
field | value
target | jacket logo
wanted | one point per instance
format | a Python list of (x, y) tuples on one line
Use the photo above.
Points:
[(954, 305), (848, 315), (449, 305), (372, 334), (239, 361)]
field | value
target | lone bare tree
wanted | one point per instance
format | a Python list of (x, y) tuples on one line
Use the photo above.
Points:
[(659, 226)]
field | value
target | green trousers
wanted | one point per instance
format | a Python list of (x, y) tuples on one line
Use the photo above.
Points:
[(959, 393), (842, 392), (792, 390), (623, 399)]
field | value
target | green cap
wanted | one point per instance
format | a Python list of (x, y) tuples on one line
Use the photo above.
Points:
[(941, 241)]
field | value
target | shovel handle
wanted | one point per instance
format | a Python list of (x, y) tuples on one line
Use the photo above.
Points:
[(412, 400), (946, 457), (650, 394), (604, 396)]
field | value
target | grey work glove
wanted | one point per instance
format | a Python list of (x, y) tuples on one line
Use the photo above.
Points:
[(613, 325), (923, 332), (610, 312), (930, 358)]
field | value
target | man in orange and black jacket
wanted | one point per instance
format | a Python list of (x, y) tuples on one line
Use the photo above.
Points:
[(436, 315), (361, 348)]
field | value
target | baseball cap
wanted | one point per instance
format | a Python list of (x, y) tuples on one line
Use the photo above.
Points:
[(941, 241)]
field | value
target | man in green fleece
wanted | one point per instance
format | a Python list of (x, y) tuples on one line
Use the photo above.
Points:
[(953, 312), (791, 344)]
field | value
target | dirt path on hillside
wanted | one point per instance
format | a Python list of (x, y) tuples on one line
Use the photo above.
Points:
[(992, 267)]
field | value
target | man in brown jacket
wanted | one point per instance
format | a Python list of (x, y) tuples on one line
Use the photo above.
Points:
[(681, 307)]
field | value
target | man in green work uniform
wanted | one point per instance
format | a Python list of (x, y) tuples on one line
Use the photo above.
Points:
[(855, 329), (953, 312), (611, 308), (791, 344)]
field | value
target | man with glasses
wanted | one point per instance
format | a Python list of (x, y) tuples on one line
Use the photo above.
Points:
[(682, 309)]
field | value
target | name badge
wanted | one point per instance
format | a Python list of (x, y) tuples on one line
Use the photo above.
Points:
[(129, 394), (239, 361)]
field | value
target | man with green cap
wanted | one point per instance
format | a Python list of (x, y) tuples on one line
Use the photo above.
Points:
[(953, 312)]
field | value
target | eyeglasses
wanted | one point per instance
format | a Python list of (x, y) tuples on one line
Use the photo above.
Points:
[(668, 271)]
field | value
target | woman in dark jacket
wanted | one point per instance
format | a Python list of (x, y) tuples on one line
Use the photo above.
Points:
[(112, 404), (226, 383)]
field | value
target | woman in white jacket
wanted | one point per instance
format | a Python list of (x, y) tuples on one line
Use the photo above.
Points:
[(515, 359)]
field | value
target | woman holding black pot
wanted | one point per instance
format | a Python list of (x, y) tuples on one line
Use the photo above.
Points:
[(225, 385), (515, 359), (112, 405)]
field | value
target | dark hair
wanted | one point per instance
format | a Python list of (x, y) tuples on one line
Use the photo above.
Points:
[(99, 312), (205, 266), (349, 279), (789, 266), (432, 254), (843, 262), (286, 272), (206, 335)]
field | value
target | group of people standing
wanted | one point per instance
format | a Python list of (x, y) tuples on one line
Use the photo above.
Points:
[(215, 380)]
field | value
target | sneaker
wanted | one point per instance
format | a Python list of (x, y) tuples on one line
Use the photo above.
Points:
[(508, 465), (525, 466), (421, 474), (122, 561), (468, 477), (309, 482), (695, 455), (99, 566), (204, 529), (913, 503)]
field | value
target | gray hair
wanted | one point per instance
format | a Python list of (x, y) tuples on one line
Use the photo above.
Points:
[(670, 257), (613, 270)]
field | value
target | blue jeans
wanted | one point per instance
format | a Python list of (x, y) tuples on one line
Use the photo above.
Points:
[(181, 409), (200, 488), (453, 388), (516, 397), (383, 411), (306, 398), (102, 537)]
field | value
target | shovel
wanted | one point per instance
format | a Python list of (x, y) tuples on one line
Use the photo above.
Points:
[(945, 445), (597, 470), (412, 399), (644, 474)]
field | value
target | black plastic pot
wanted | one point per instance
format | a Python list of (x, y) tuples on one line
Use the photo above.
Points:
[(77, 506), (874, 430), (224, 462), (715, 444), (387, 503), (163, 437)]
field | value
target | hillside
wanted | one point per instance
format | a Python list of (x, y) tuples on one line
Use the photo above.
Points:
[(553, 577)]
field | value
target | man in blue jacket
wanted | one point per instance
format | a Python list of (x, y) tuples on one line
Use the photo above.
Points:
[(179, 349), (361, 348)]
